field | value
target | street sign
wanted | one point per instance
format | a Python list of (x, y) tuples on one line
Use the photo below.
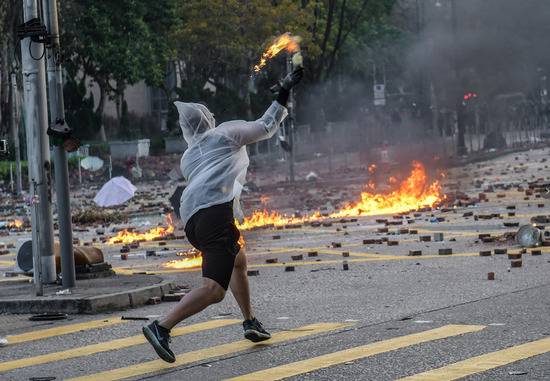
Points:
[(379, 95)]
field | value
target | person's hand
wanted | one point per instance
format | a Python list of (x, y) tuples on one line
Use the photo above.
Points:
[(71, 144), (293, 78)]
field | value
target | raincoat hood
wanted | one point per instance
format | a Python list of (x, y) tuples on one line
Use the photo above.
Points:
[(195, 119)]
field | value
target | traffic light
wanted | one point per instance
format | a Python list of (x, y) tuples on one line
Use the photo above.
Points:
[(469, 96)]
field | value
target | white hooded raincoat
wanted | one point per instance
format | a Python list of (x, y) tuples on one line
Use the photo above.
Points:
[(216, 160)]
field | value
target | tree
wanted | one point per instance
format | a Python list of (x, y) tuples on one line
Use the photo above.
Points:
[(220, 41), (341, 23), (10, 16), (118, 43)]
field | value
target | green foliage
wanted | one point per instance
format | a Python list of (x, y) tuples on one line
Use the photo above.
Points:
[(119, 43), (124, 41), (5, 169)]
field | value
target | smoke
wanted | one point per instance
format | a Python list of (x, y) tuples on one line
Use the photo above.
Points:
[(495, 49)]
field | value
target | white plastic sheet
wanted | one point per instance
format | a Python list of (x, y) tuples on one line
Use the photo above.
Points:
[(92, 163), (116, 191)]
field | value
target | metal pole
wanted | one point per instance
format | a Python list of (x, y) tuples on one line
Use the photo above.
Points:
[(57, 113), (460, 143), (290, 107), (15, 131), (36, 124)]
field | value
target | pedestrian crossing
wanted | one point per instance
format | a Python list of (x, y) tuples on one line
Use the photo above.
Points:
[(149, 365)]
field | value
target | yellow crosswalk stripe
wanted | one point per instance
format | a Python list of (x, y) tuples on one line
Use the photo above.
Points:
[(484, 362), (63, 330), (107, 346), (331, 359), (208, 353)]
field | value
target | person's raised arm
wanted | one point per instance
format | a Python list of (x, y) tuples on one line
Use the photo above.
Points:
[(244, 133)]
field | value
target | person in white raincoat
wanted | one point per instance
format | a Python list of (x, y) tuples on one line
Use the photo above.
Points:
[(215, 165)]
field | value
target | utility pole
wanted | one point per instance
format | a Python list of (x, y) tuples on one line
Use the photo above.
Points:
[(57, 121), (460, 144), (291, 113), (15, 133), (38, 153)]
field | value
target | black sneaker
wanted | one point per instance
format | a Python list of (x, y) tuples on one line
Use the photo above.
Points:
[(254, 331), (159, 339)]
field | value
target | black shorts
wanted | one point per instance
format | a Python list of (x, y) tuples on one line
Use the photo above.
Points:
[(212, 231)]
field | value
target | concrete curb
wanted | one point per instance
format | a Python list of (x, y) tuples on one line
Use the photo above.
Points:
[(86, 305)]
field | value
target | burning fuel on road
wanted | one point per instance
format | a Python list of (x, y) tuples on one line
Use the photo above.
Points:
[(413, 193), (126, 236)]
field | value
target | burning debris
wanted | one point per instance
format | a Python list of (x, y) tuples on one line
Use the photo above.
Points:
[(126, 236), (191, 259), (414, 192), (283, 42), (16, 224)]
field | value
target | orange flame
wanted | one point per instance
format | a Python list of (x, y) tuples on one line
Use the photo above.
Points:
[(126, 236), (193, 259), (283, 42), (413, 193), (15, 224)]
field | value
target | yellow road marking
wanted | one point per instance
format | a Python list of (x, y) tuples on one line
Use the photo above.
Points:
[(7, 263), (107, 346), (19, 279), (331, 359), (484, 362), (62, 330), (208, 353)]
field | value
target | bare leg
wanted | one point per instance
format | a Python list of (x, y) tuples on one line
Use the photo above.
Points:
[(195, 301), (239, 285)]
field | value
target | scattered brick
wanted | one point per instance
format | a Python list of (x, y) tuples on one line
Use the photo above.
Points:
[(514, 255), (372, 242), (289, 268), (276, 237), (536, 252), (392, 243), (491, 276), (446, 251), (345, 266), (425, 238), (298, 257), (517, 263), (415, 253), (175, 297), (336, 244), (485, 253), (272, 260), (154, 300), (253, 272), (312, 254), (501, 251), (438, 237)]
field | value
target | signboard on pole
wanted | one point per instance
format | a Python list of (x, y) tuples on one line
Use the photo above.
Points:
[(379, 95)]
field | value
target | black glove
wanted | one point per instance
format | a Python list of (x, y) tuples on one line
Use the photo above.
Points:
[(293, 78)]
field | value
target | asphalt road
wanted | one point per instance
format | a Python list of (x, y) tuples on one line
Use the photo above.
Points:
[(390, 316)]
